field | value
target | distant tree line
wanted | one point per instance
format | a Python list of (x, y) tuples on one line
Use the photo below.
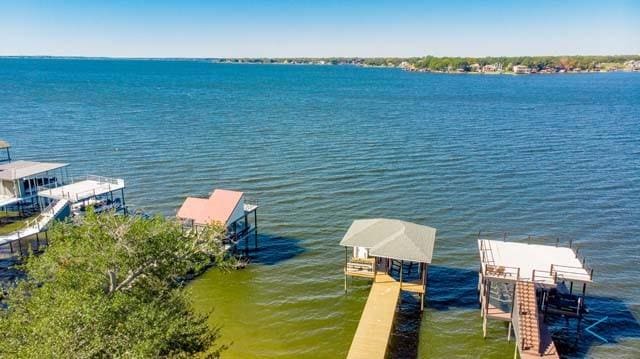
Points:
[(537, 62), (454, 63)]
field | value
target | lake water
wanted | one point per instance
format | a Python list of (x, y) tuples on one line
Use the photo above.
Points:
[(554, 155)]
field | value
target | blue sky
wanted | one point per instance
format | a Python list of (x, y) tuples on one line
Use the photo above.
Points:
[(280, 28)]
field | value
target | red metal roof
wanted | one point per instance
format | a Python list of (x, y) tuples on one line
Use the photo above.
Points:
[(217, 208)]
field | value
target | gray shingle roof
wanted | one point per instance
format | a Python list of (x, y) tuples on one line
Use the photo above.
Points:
[(20, 169), (392, 238)]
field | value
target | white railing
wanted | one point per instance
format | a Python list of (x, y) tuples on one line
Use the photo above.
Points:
[(502, 272), (555, 273), (37, 224), (486, 252), (111, 184), (102, 179), (563, 272)]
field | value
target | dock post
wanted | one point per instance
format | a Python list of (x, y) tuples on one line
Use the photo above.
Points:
[(255, 223), (346, 260), (509, 333), (515, 352), (124, 204), (345, 283), (484, 326)]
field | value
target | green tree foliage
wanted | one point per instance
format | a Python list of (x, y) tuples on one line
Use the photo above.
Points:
[(538, 62), (110, 286), (462, 63)]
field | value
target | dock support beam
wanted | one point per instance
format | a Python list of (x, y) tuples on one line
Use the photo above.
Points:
[(346, 260), (255, 223), (124, 204), (484, 326)]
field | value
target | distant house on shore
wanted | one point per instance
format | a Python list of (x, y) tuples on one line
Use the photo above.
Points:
[(406, 66), (489, 68), (521, 69), (475, 67), (632, 65)]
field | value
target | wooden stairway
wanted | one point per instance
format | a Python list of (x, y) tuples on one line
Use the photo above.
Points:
[(533, 338)]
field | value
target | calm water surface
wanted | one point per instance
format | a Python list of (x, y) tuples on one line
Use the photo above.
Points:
[(321, 146)]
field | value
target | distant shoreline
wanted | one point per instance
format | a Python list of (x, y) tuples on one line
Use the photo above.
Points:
[(428, 64)]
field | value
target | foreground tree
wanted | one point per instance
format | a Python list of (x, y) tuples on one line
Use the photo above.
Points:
[(110, 286)]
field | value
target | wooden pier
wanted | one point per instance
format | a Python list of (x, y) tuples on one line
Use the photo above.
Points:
[(395, 255), (372, 336)]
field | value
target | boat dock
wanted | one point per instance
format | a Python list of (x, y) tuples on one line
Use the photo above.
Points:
[(372, 336), (35, 194), (395, 255), (230, 209), (523, 283)]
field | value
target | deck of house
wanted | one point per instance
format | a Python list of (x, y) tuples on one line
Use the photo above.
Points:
[(372, 336), (90, 187)]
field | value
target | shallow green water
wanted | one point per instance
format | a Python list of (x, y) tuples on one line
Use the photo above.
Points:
[(321, 146)]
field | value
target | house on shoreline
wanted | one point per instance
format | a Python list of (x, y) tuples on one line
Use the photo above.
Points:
[(521, 69), (34, 194)]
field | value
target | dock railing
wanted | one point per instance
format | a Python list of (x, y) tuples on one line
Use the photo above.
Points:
[(102, 179), (486, 253), (544, 276), (489, 267), (112, 184), (360, 267), (561, 272), (250, 204), (502, 272), (37, 224)]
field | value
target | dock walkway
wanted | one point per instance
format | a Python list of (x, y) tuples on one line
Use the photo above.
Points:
[(533, 338), (372, 336), (38, 224)]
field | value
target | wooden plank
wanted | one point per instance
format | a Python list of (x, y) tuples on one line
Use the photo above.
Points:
[(413, 287), (372, 336), (496, 313)]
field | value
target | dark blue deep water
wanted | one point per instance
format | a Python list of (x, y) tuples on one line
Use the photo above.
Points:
[(554, 155)]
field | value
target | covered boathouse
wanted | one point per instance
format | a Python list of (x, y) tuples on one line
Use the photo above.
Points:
[(523, 282), (34, 194), (395, 255), (231, 209)]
